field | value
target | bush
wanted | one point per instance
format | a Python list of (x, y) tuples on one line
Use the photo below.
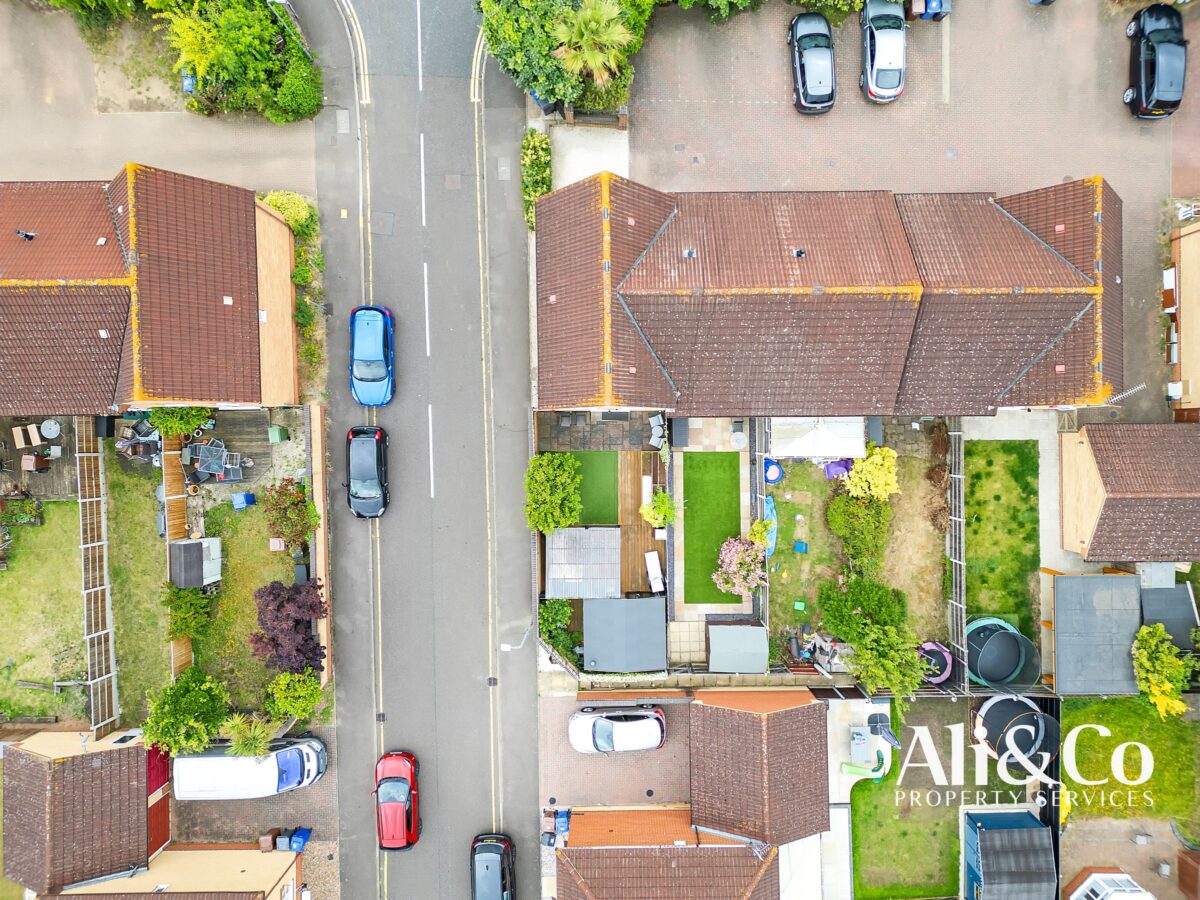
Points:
[(310, 352), (863, 527), (186, 714), (885, 658), (19, 511), (552, 497), (172, 420), (554, 619), (287, 641), (740, 567), (247, 735), (190, 608), (592, 39), (302, 273), (608, 97), (304, 315), (300, 95), (293, 695), (290, 514), (660, 511), (874, 476), (721, 10), (536, 175), (97, 13), (845, 613), (297, 210), (760, 533), (519, 34), (836, 11), (1162, 674)]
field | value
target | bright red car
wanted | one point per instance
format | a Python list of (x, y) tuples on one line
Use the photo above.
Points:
[(397, 813)]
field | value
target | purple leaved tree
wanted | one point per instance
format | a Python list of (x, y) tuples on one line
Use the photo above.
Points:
[(286, 615)]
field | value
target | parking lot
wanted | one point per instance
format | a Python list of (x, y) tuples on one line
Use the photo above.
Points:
[(570, 778), (1000, 97)]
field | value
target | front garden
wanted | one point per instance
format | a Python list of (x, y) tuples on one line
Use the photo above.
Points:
[(1002, 541)]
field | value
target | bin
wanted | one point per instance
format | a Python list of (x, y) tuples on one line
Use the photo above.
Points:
[(300, 839), (242, 500)]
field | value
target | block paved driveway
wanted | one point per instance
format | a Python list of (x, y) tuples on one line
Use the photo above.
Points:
[(1000, 97), (570, 778)]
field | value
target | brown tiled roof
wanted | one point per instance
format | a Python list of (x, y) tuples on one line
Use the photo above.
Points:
[(647, 827), (762, 776), (662, 873), (70, 219), (1151, 510), (175, 895), (73, 819), (968, 242), (52, 357)]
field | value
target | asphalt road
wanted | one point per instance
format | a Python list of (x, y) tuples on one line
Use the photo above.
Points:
[(423, 598)]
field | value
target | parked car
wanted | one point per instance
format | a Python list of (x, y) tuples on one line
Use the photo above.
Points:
[(290, 764), (811, 41), (371, 355), (366, 469), (492, 868), (1157, 62), (397, 806), (882, 78), (616, 729)]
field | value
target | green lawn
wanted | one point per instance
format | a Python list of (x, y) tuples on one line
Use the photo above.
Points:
[(248, 564), (1173, 743), (42, 637), (1002, 531), (599, 487), (800, 500), (137, 568), (8, 890), (712, 513), (904, 849)]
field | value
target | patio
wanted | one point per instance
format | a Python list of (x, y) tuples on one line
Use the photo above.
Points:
[(56, 479), (564, 431), (243, 432)]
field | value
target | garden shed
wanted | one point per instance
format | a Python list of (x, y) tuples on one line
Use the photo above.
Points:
[(737, 649), (625, 635), (583, 563), (195, 563), (1008, 856), (1095, 620)]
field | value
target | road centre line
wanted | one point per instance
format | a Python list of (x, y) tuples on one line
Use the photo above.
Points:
[(431, 492), (420, 69), (422, 179), (425, 272)]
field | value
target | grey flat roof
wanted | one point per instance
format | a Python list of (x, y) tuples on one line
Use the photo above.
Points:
[(737, 649), (1095, 620), (583, 562), (628, 635), (1175, 608), (1018, 864)]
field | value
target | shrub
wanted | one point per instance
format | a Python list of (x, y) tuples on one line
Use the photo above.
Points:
[(304, 314), (287, 641), (721, 10), (310, 352), (885, 658), (637, 17), (293, 695), (836, 11), (608, 97), (186, 714), (172, 420), (660, 511), (760, 533), (297, 210), (552, 497), (875, 475), (300, 94), (553, 615), (863, 527), (302, 273), (19, 511), (97, 13), (248, 735), (845, 613), (290, 514), (536, 173), (1162, 675), (740, 567), (519, 34), (592, 38), (190, 608)]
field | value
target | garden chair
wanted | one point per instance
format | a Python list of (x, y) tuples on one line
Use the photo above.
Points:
[(657, 441)]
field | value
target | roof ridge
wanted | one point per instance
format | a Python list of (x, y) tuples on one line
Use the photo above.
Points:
[(994, 202), (112, 215), (762, 870), (580, 881), (765, 719), (1039, 356), (637, 326)]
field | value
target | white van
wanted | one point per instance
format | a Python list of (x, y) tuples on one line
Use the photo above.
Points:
[(215, 775)]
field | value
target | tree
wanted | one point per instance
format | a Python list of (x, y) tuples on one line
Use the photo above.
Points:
[(552, 497), (759, 533), (875, 475), (740, 567), (1161, 673), (885, 658), (190, 609), (290, 514), (846, 613), (660, 511), (286, 615), (172, 420), (186, 714), (721, 10), (248, 735), (519, 35), (836, 11), (592, 40), (862, 524), (293, 695)]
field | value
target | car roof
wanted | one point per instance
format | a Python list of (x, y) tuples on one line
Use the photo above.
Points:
[(818, 69), (636, 735), (1169, 72), (368, 331), (889, 49), (194, 777)]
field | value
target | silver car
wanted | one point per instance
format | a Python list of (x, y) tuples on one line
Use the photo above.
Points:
[(616, 729), (811, 44), (882, 78)]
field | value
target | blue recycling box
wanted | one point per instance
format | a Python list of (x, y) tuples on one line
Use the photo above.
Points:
[(300, 839)]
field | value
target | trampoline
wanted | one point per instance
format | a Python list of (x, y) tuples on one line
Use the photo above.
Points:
[(1000, 657), (940, 660), (1015, 726), (772, 471)]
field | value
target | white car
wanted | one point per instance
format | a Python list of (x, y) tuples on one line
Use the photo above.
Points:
[(616, 729)]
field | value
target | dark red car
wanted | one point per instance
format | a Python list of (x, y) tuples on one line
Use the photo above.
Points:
[(397, 812)]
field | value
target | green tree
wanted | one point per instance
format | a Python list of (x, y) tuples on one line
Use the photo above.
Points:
[(552, 496), (293, 695), (172, 420), (1162, 674), (537, 177), (190, 609), (300, 95), (759, 533), (186, 714), (721, 10), (519, 35), (874, 477), (862, 524), (864, 602), (836, 11), (194, 38), (592, 40), (885, 658), (247, 735)]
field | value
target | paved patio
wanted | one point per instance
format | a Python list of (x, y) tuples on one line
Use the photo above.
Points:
[(1109, 842), (593, 431)]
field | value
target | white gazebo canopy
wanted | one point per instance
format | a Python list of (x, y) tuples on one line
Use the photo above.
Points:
[(842, 437)]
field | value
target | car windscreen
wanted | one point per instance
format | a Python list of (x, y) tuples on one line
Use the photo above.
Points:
[(366, 488), (602, 734), (291, 768), (888, 79), (393, 790), (809, 41), (370, 370), (886, 23)]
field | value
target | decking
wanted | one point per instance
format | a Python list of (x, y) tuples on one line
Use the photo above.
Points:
[(58, 481), (244, 431), (637, 537)]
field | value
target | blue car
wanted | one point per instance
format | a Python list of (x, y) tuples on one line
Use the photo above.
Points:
[(371, 355)]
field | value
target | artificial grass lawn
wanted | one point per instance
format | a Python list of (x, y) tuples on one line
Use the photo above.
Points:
[(137, 568), (804, 493), (43, 615), (1173, 743), (1002, 531), (712, 512), (224, 650), (599, 487)]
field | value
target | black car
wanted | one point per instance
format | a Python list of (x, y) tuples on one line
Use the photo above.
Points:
[(1157, 62), (492, 868), (811, 43), (366, 466)]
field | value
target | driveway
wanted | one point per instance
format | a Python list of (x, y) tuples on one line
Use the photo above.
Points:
[(569, 778), (711, 110)]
